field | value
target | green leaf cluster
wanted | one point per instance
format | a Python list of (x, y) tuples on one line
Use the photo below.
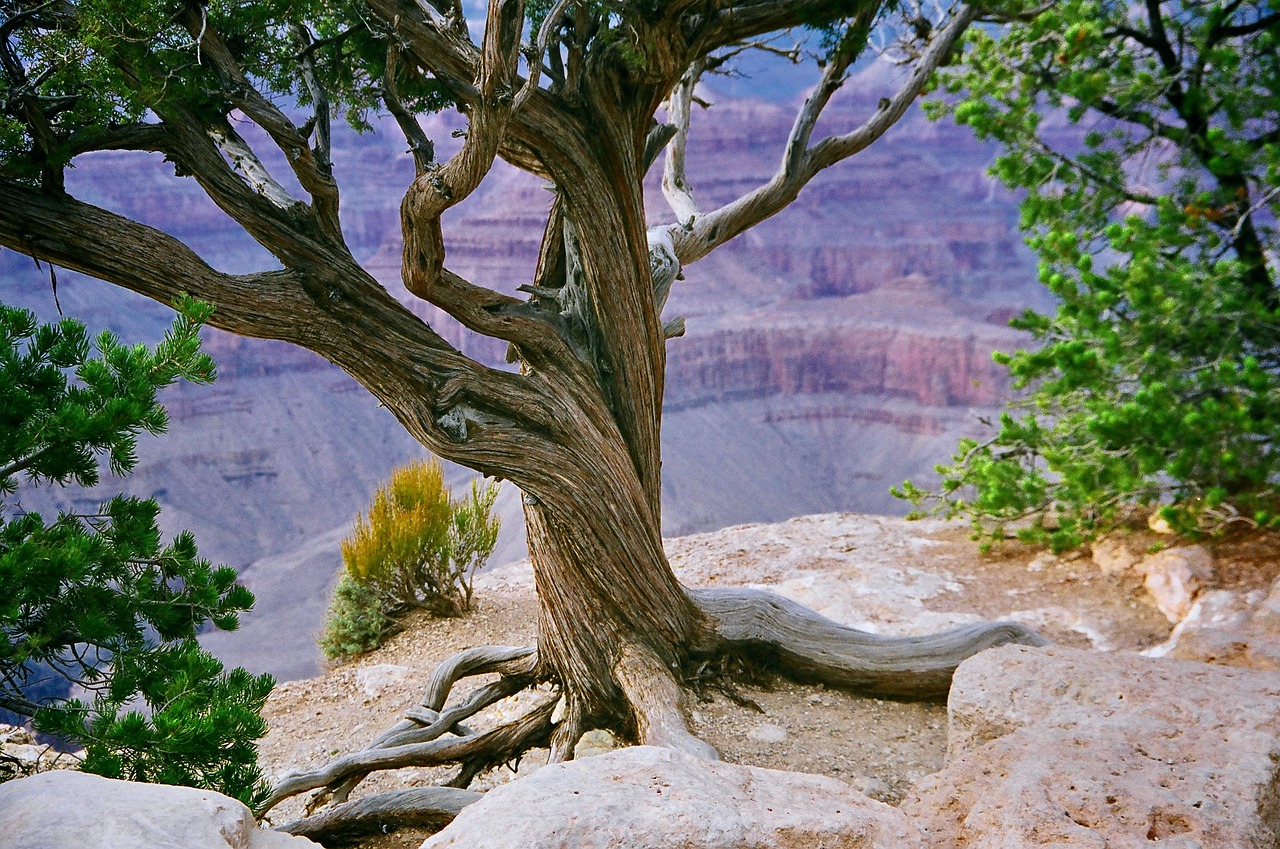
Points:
[(98, 599), (83, 71), (1147, 149), (418, 548)]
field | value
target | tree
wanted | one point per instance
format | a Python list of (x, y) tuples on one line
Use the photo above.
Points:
[(570, 92), (96, 600), (1153, 211)]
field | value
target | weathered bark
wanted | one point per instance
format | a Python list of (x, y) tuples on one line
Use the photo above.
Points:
[(806, 646), (432, 807)]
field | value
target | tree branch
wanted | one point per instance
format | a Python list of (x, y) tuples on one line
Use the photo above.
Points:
[(436, 190), (323, 147), (424, 152), (800, 163), (675, 177), (311, 174), (91, 240)]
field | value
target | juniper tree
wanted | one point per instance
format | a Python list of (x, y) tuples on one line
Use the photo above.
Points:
[(96, 601), (586, 96)]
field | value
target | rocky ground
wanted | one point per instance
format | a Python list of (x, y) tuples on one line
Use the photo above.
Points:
[(877, 573)]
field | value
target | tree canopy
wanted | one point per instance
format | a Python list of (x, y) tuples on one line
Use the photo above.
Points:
[(96, 601), (1146, 139)]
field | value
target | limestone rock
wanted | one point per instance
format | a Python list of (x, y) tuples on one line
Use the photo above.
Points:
[(1175, 576), (21, 755), (1054, 746), (595, 742), (1231, 628), (1114, 556), (64, 809), (663, 799)]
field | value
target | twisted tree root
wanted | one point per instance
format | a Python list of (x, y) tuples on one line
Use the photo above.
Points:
[(426, 722), (498, 746), (811, 647), (434, 807), (805, 645)]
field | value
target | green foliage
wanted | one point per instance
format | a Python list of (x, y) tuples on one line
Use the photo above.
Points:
[(357, 621), (1152, 208), (97, 598), (417, 549), (99, 65)]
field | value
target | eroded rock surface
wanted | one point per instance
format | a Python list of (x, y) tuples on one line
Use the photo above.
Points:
[(64, 809), (1056, 746), (663, 799)]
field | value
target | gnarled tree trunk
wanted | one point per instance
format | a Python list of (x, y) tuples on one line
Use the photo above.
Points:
[(577, 428)]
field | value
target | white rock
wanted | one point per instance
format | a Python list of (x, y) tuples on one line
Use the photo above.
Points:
[(69, 809), (1230, 628), (663, 799), (767, 732), (1113, 556), (1061, 747), (1175, 576), (374, 679)]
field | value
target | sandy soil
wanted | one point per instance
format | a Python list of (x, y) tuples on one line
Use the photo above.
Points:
[(872, 572)]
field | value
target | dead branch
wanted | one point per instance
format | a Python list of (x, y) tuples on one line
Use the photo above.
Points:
[(434, 807), (800, 163)]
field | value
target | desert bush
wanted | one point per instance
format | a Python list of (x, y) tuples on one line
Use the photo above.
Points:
[(357, 622), (416, 549)]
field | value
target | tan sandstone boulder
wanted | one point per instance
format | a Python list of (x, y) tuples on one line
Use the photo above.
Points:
[(65, 809), (1229, 627), (1060, 747), (663, 799)]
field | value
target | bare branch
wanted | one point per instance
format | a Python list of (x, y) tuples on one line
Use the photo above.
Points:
[(311, 175), (800, 163), (424, 152), (539, 50), (248, 164), (675, 177), (323, 147)]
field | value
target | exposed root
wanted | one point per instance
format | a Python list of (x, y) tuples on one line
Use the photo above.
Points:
[(434, 807), (569, 731), (427, 722), (657, 701), (496, 746), (811, 647), (748, 626), (724, 674)]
